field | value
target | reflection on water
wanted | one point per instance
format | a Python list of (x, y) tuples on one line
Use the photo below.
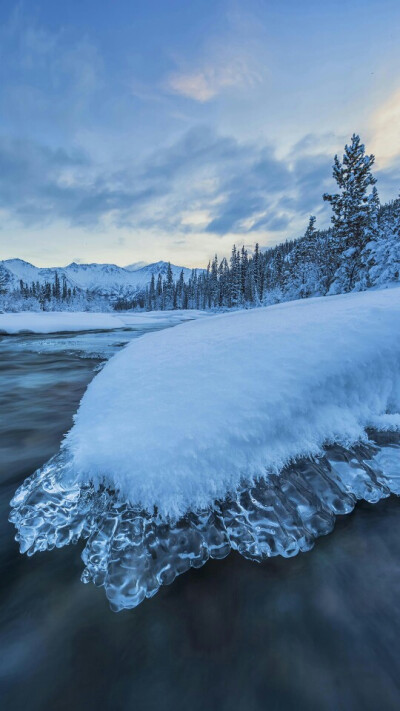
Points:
[(319, 631)]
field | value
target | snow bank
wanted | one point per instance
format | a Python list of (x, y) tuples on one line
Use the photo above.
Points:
[(67, 321), (180, 417)]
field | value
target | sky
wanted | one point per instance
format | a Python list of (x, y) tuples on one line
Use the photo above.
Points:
[(166, 129)]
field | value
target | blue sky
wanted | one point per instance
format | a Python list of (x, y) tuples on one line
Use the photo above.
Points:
[(169, 129)]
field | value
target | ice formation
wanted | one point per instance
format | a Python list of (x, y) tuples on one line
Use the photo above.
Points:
[(248, 431), (132, 553)]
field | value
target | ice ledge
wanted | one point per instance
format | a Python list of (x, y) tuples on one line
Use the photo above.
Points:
[(132, 553)]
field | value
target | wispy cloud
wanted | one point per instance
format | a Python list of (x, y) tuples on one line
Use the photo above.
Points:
[(385, 133), (231, 59), (206, 82)]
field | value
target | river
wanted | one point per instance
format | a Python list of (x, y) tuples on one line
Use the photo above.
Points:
[(319, 631)]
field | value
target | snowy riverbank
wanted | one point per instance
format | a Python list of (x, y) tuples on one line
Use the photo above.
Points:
[(197, 409)]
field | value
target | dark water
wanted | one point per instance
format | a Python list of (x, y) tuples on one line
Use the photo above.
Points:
[(320, 631)]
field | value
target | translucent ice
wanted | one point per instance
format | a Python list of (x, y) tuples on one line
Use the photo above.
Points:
[(132, 552)]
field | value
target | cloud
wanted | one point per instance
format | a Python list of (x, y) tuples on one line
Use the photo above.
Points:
[(249, 190), (203, 183), (320, 144), (198, 148), (232, 58), (388, 180), (222, 186), (49, 79), (385, 134), (39, 185), (208, 81)]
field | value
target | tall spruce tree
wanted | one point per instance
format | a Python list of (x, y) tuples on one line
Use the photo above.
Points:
[(152, 293), (258, 275), (168, 290), (352, 214)]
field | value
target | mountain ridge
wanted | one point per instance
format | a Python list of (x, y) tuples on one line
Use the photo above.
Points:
[(106, 279)]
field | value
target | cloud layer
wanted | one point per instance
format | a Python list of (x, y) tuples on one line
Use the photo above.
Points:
[(151, 129), (201, 182)]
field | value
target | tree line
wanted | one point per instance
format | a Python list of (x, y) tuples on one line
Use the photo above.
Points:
[(46, 292), (53, 295)]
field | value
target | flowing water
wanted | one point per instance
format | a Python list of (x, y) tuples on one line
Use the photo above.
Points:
[(318, 631)]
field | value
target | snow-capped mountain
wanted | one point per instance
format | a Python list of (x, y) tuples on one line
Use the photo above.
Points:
[(135, 266), (104, 279)]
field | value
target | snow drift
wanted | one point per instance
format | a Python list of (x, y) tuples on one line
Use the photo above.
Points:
[(182, 417)]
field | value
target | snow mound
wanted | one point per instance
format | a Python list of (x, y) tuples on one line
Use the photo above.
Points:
[(182, 417)]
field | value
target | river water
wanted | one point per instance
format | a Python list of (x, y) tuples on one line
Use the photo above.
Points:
[(320, 631)]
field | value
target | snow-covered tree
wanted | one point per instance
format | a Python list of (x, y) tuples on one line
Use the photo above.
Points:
[(168, 290), (3, 280), (384, 250), (353, 210)]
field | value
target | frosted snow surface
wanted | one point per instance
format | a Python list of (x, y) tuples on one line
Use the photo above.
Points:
[(183, 417), (68, 321)]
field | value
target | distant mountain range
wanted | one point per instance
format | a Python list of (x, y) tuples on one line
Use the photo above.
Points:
[(102, 279)]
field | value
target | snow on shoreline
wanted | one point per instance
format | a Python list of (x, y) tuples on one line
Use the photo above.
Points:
[(180, 417), (73, 321)]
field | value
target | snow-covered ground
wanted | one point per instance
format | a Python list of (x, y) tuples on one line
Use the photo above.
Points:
[(65, 321), (182, 416)]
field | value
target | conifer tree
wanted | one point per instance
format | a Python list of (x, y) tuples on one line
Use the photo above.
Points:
[(257, 275), (351, 218), (3, 280), (234, 291), (168, 290), (152, 293), (180, 287), (64, 288), (384, 250)]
